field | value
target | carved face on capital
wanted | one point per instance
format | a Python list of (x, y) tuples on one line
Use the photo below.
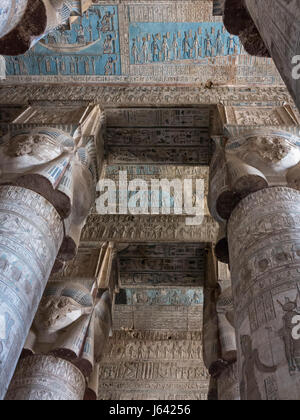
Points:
[(61, 310), (56, 313), (271, 149), (36, 145)]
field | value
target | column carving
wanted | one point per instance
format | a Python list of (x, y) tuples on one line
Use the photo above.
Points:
[(30, 236), (219, 341), (73, 323), (46, 378), (228, 384), (41, 171), (263, 174)]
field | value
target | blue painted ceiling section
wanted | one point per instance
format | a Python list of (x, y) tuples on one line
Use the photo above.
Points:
[(90, 47), (178, 42)]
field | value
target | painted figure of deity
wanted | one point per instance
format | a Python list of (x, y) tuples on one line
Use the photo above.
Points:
[(165, 48), (207, 45), (155, 48), (108, 21), (110, 67), (186, 46), (292, 346), (249, 386)]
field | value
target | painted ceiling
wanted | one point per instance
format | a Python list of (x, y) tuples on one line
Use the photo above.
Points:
[(162, 274), (142, 41), (180, 134)]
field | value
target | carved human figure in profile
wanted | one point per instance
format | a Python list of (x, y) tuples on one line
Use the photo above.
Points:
[(251, 364), (292, 346), (107, 21), (219, 43), (134, 51)]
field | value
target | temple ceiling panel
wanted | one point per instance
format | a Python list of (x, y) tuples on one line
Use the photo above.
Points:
[(148, 265), (162, 228), (142, 42), (158, 136), (158, 317)]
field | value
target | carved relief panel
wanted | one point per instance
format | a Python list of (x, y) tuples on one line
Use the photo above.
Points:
[(149, 265), (154, 365)]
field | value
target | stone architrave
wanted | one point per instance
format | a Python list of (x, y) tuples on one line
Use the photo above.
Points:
[(139, 96), (263, 175)]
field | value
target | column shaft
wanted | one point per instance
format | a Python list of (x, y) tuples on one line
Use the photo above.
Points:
[(31, 233), (228, 385), (264, 246), (46, 378)]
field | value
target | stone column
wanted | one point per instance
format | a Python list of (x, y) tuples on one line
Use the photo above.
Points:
[(31, 232), (269, 27), (47, 178), (92, 390), (24, 22), (263, 233), (228, 384), (211, 342), (46, 378), (263, 237), (73, 323), (219, 340)]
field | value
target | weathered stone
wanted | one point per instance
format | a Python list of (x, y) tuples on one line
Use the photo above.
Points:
[(46, 378), (153, 365), (257, 24), (263, 243), (31, 234), (228, 384)]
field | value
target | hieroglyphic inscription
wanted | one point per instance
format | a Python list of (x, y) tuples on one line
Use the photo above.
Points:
[(144, 365), (178, 319), (264, 255), (162, 265), (180, 134)]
